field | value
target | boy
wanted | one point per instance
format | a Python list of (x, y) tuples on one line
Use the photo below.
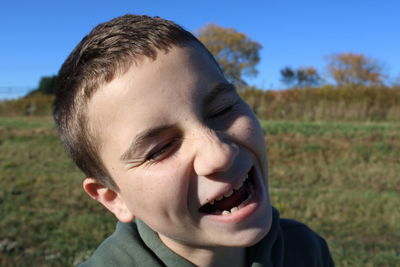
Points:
[(145, 111)]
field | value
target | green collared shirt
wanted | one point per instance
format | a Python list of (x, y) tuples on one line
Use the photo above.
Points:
[(288, 243)]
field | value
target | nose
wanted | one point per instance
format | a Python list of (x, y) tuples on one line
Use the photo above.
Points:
[(215, 153)]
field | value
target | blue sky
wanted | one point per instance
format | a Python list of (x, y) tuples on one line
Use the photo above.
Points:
[(36, 36)]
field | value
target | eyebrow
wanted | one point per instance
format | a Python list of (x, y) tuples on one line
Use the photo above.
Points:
[(142, 137)]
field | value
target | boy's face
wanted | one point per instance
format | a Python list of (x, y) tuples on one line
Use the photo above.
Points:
[(176, 137)]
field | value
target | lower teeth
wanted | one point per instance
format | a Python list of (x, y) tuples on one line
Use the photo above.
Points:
[(241, 205)]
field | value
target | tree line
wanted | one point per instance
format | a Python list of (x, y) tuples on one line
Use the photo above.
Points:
[(238, 56), (344, 68)]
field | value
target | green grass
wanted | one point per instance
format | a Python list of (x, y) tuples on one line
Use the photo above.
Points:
[(340, 178), (343, 180), (26, 123), (331, 129)]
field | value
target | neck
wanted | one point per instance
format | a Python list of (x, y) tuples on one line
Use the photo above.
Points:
[(209, 257)]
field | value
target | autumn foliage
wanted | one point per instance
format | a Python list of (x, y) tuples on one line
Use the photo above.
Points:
[(301, 77), (37, 104), (345, 103), (234, 51), (328, 102), (351, 68)]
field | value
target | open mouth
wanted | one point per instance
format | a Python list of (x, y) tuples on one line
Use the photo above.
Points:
[(233, 200)]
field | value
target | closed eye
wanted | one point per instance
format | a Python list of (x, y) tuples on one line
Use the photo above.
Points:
[(224, 110), (162, 152), (221, 112)]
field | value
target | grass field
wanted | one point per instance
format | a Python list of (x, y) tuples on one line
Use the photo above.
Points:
[(342, 179)]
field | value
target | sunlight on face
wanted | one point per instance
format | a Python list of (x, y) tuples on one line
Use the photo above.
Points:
[(186, 152)]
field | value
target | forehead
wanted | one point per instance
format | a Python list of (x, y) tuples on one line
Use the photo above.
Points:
[(181, 67), (154, 90)]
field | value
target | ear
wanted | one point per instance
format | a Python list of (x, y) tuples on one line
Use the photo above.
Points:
[(108, 198)]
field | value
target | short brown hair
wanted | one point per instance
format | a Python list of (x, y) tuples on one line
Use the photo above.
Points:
[(108, 50)]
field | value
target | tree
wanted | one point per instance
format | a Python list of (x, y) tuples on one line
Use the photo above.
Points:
[(47, 85), (350, 68), (308, 76), (301, 77), (288, 76), (235, 52)]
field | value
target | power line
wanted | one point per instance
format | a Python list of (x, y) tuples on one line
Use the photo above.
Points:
[(13, 92), (15, 88)]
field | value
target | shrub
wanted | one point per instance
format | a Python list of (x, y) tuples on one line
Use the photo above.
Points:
[(327, 102), (34, 105)]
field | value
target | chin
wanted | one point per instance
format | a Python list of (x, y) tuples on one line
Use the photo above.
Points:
[(247, 237)]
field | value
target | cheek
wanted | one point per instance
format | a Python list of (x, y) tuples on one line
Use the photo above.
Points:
[(247, 130), (162, 186)]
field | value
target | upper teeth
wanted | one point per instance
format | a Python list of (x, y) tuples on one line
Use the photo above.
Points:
[(241, 184), (229, 193)]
